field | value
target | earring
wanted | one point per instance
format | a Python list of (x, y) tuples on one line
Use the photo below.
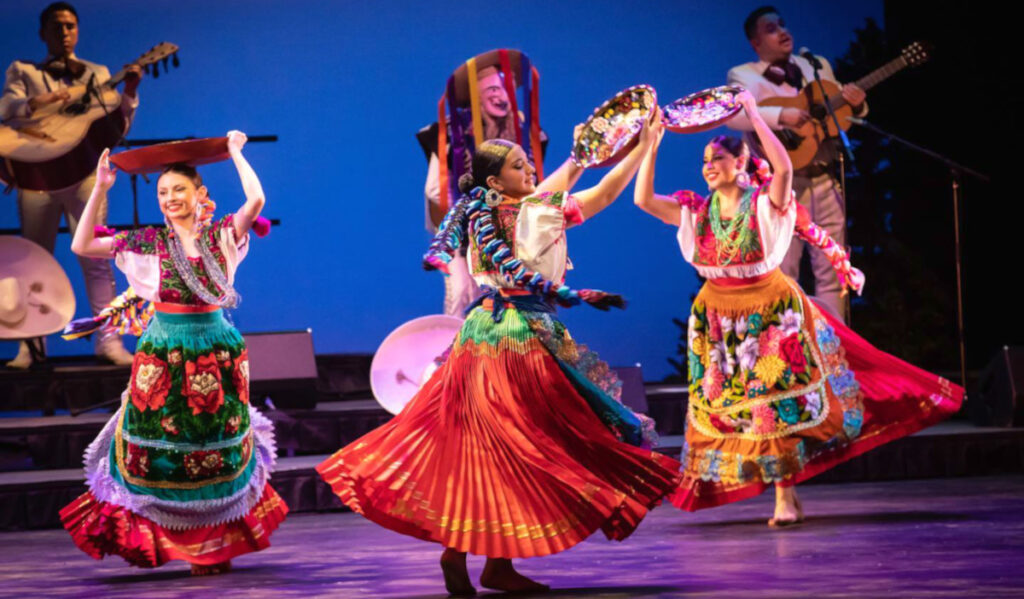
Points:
[(492, 198), (743, 179)]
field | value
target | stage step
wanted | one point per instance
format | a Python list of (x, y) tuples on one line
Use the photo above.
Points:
[(48, 442), (33, 499), (54, 442)]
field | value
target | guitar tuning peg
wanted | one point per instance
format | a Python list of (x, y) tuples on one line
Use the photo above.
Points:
[(165, 64), (156, 71), (174, 60), (145, 69)]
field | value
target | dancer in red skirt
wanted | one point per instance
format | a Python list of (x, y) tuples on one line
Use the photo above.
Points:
[(517, 446), (779, 389)]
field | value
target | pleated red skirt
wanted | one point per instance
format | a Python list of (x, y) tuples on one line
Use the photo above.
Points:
[(500, 455)]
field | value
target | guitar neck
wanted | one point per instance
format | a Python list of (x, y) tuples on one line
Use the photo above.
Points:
[(872, 79), (116, 78)]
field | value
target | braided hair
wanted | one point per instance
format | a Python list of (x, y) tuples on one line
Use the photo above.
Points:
[(473, 214)]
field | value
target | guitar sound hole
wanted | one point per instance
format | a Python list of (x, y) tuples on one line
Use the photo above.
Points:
[(818, 112), (789, 138)]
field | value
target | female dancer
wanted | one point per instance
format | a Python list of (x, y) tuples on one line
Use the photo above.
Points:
[(181, 470), (516, 446), (779, 389)]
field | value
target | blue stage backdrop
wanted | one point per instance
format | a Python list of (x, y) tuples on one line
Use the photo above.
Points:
[(347, 84)]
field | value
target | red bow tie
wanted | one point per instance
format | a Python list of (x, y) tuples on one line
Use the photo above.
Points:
[(783, 71)]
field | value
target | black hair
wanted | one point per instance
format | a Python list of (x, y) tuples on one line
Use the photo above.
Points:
[(750, 24), (737, 147), (488, 159), (186, 171), (44, 17)]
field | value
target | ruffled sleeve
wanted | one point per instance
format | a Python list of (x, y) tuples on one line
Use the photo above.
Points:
[(234, 249), (540, 232), (776, 226), (136, 254), (690, 205)]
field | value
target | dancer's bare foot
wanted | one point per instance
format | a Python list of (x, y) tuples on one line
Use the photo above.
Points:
[(788, 510), (499, 575), (456, 576), (220, 568)]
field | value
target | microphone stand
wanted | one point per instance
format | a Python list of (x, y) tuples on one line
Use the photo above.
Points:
[(846, 154), (956, 172)]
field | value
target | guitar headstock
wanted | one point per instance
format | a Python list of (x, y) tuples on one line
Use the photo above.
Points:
[(917, 53), (160, 52), (157, 53)]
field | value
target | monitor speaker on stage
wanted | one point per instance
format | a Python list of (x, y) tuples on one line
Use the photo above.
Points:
[(282, 368), (999, 398)]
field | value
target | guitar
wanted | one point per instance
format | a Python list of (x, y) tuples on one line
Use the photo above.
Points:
[(59, 144), (802, 144)]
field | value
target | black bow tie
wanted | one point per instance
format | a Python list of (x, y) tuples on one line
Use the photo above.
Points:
[(60, 68), (784, 71)]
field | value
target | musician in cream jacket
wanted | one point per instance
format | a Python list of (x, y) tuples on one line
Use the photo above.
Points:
[(778, 72), (29, 85)]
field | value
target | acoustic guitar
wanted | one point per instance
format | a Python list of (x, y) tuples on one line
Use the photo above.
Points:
[(802, 143), (59, 144)]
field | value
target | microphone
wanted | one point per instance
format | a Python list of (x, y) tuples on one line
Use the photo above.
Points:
[(811, 58), (857, 121)]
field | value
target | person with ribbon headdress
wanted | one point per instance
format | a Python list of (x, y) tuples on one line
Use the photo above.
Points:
[(494, 95), (28, 86), (518, 445), (181, 470), (779, 389)]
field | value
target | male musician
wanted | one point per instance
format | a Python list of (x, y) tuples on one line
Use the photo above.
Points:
[(780, 73), (30, 85)]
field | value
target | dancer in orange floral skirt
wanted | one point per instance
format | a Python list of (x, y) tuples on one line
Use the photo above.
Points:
[(779, 389)]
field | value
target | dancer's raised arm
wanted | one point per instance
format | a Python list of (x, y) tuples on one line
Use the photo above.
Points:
[(600, 196), (85, 242), (254, 198)]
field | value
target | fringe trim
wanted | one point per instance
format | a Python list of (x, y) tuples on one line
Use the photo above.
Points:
[(179, 515)]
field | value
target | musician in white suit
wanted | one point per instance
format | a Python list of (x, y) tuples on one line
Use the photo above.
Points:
[(28, 86), (780, 73)]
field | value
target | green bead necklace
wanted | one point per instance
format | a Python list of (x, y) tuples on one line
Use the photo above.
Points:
[(730, 239)]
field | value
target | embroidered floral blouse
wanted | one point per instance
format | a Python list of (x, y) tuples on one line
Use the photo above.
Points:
[(142, 254), (772, 231), (534, 229)]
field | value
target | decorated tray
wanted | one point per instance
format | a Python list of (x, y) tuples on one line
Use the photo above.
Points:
[(150, 159), (612, 131), (703, 110)]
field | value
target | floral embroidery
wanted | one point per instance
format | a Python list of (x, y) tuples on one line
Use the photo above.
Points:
[(167, 423), (151, 382), (240, 376), (706, 247), (232, 424), (174, 357), (203, 464), (136, 460), (202, 385)]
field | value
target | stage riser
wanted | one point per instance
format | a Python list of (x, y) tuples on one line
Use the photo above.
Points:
[(77, 383), (924, 456), (306, 432)]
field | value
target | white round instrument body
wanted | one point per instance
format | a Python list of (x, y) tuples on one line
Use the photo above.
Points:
[(407, 358)]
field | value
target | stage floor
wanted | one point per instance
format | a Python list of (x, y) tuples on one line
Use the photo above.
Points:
[(961, 537)]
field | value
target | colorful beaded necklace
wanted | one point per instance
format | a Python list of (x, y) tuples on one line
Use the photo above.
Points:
[(732, 238)]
